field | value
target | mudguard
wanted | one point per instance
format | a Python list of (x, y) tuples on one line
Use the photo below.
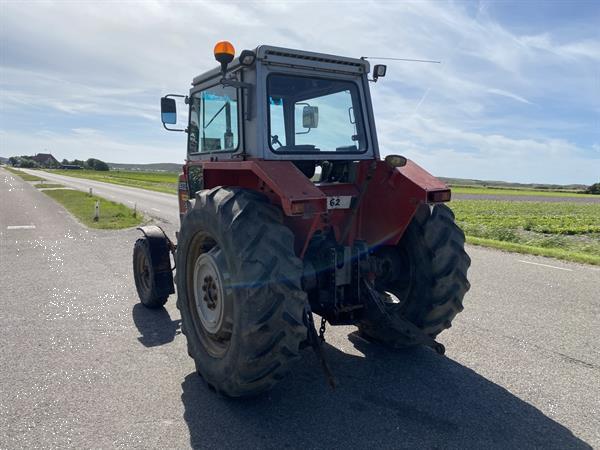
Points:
[(160, 249)]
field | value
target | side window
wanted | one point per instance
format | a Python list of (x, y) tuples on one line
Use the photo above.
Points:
[(277, 137), (214, 120)]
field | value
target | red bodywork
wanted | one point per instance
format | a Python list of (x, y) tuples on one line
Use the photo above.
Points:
[(387, 207)]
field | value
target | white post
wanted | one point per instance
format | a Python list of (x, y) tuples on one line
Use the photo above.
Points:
[(90, 192), (97, 211)]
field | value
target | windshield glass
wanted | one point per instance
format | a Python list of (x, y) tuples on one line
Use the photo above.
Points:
[(314, 115)]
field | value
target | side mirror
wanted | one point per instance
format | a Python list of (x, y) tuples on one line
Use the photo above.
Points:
[(379, 71), (310, 116), (168, 110)]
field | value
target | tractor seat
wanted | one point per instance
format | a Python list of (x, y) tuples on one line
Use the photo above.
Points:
[(306, 167)]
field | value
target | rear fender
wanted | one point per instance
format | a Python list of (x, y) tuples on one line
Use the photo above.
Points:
[(281, 181), (392, 198)]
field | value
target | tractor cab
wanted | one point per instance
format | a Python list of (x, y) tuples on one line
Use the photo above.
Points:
[(280, 104)]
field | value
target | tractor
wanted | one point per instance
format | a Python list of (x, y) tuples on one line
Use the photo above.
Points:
[(287, 210)]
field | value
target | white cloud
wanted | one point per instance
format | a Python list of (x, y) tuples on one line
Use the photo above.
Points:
[(485, 105), (504, 93)]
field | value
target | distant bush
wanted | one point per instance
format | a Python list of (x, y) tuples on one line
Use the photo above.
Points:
[(27, 163), (101, 165), (593, 189), (96, 164)]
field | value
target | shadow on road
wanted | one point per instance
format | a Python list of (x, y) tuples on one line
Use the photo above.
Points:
[(386, 399), (155, 325)]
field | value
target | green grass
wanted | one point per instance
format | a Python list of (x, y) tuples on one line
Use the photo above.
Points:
[(564, 230), (517, 192), (81, 205), (153, 181), (24, 175), (48, 185)]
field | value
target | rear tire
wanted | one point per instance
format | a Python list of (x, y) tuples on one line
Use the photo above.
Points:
[(424, 276), (144, 276), (239, 291)]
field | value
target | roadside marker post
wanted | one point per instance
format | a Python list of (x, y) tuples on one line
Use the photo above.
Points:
[(90, 192), (97, 211)]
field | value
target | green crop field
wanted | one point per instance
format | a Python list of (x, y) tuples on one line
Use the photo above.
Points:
[(154, 181), (518, 192), (565, 230)]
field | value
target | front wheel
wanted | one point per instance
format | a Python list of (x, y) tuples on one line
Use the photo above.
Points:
[(423, 278), (151, 293), (239, 291)]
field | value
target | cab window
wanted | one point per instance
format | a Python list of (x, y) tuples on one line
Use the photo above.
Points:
[(214, 120), (314, 115)]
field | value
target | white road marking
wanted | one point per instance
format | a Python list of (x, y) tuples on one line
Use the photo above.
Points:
[(545, 265), (154, 209), (20, 227)]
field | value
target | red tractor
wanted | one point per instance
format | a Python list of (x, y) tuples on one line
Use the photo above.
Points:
[(287, 210)]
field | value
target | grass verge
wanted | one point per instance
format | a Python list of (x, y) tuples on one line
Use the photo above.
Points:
[(153, 181), (112, 215), (48, 185), (24, 175), (563, 230)]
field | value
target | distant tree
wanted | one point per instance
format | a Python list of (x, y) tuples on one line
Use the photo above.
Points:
[(95, 164), (100, 165), (89, 163), (28, 163), (13, 160), (65, 162), (593, 189), (78, 162)]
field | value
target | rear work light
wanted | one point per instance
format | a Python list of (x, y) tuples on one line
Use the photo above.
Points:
[(297, 208), (438, 196)]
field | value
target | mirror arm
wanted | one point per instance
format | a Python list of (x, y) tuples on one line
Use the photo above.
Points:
[(174, 129)]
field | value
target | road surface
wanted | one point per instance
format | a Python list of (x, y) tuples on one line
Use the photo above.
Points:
[(153, 204), (84, 365)]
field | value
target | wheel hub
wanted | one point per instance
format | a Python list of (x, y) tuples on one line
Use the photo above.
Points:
[(208, 291), (211, 295)]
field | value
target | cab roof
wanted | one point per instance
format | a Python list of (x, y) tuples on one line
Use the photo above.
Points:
[(268, 54)]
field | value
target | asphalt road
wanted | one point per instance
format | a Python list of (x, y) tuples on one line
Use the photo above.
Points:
[(84, 365), (153, 204)]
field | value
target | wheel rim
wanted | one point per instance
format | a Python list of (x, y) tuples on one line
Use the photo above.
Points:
[(209, 294)]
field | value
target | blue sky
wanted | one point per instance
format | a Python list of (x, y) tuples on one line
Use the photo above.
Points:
[(517, 96)]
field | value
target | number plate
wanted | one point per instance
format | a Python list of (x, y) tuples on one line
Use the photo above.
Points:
[(339, 202)]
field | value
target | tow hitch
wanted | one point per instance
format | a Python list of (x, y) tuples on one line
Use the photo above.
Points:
[(376, 308)]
